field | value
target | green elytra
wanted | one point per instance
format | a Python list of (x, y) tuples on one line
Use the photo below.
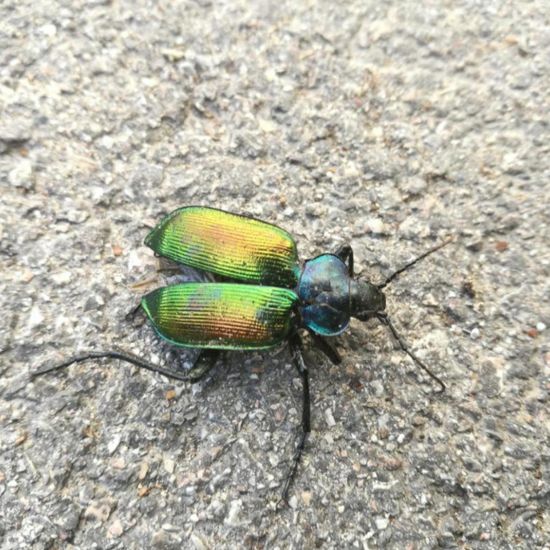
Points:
[(238, 247), (220, 315), (254, 313)]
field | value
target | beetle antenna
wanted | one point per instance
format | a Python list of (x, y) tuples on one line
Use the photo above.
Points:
[(112, 354), (385, 320), (413, 262)]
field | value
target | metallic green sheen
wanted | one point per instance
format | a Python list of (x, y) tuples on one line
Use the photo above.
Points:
[(226, 244), (221, 315)]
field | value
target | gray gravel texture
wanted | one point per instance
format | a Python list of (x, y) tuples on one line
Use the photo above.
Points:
[(388, 125)]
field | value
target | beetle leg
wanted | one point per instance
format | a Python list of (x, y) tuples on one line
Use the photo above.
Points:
[(385, 320), (345, 253), (204, 363), (133, 312), (365, 315), (327, 348), (295, 343), (114, 354)]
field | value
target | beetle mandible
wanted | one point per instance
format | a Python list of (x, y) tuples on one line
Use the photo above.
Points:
[(273, 298)]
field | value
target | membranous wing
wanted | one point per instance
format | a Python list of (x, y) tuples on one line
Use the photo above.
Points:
[(227, 244), (221, 315)]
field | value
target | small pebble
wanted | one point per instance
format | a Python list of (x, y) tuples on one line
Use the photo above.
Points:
[(35, 318), (113, 444), (143, 469), (329, 418), (117, 250), (99, 511), (376, 226), (21, 176), (168, 464), (118, 463), (115, 529), (170, 394), (501, 246), (233, 513)]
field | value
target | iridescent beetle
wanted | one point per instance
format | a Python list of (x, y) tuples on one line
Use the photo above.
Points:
[(275, 298)]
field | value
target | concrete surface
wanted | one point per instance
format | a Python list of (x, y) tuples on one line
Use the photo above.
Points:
[(388, 125)]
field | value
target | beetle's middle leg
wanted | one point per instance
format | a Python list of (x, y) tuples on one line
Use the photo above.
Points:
[(203, 364), (295, 343), (327, 348), (133, 312), (345, 253)]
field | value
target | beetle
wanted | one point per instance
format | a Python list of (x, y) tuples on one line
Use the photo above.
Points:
[(265, 298)]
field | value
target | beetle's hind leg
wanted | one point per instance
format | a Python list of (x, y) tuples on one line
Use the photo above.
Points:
[(345, 253), (201, 367), (295, 343)]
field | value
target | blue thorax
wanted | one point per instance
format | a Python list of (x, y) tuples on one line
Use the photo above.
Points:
[(324, 291)]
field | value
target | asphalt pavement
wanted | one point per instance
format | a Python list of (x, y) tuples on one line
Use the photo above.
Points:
[(390, 126)]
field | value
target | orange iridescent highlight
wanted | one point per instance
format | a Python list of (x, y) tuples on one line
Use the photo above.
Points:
[(220, 315), (227, 244)]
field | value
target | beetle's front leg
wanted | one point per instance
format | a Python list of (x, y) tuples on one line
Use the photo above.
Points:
[(345, 253), (295, 343)]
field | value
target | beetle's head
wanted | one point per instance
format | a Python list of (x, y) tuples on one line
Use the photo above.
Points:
[(366, 300)]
